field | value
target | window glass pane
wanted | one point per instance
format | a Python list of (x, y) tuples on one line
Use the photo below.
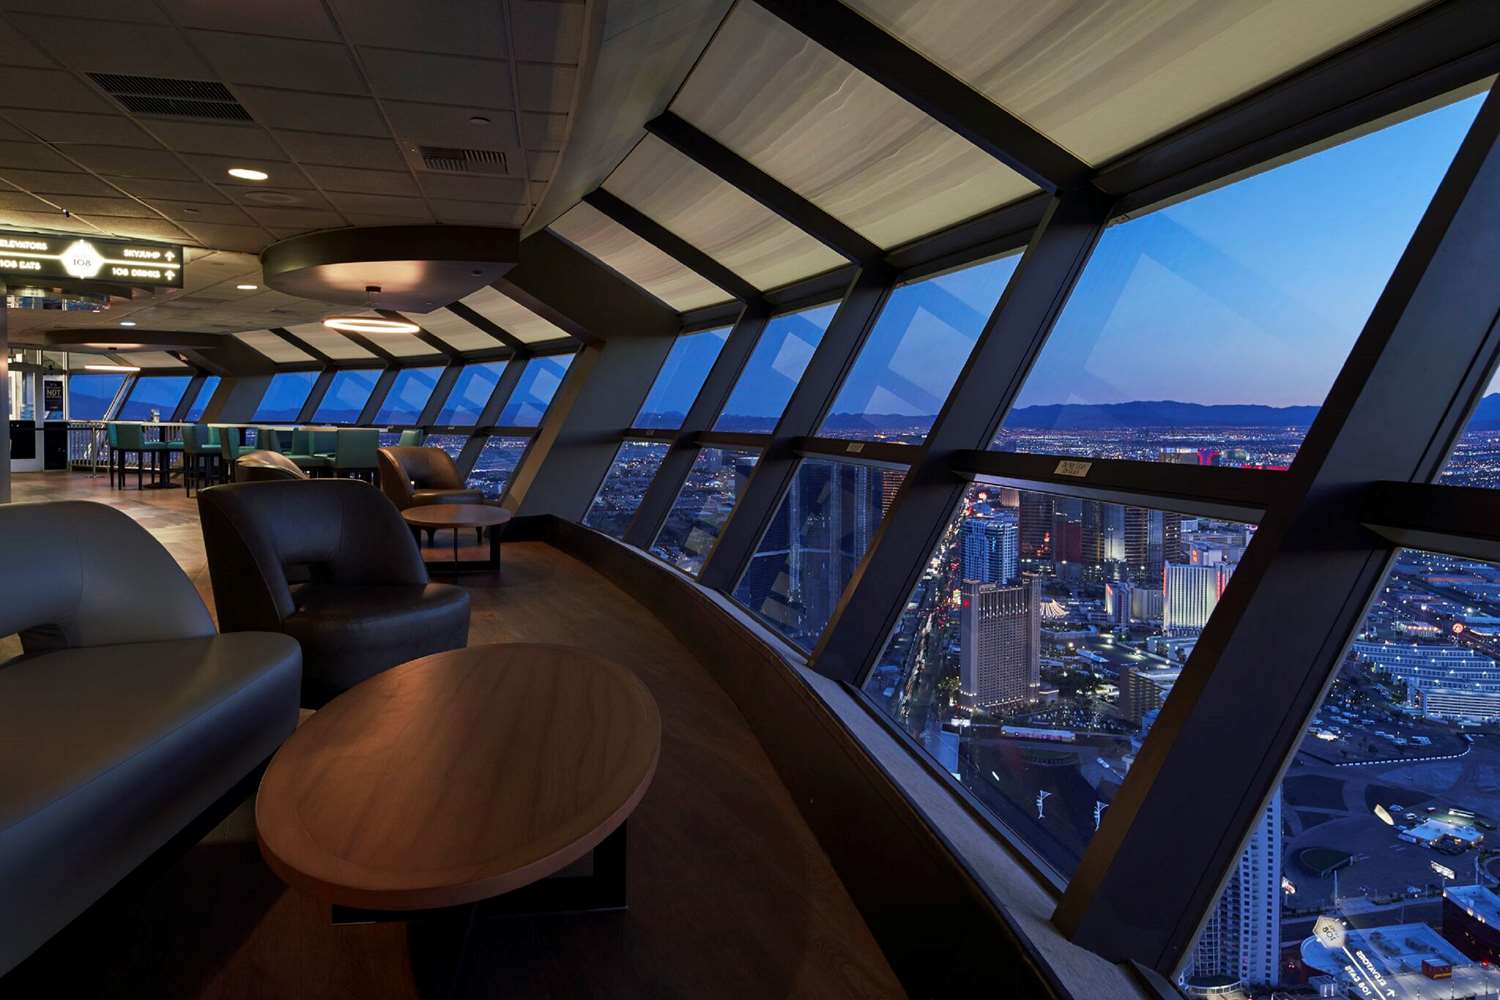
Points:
[(620, 494), (157, 394), (471, 391), (205, 393), (284, 396), (913, 356), (453, 444), (1210, 331), (493, 469), (539, 382), (1476, 458), (409, 394), (89, 395), (1390, 784), (713, 486), (680, 378), (773, 371), (347, 395), (1044, 634), (818, 536)]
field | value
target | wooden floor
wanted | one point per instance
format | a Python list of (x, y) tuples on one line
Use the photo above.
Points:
[(730, 894)]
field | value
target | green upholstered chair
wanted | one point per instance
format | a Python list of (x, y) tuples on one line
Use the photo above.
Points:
[(116, 460), (355, 452), (268, 439), (231, 447), (411, 438), (306, 451), (130, 439), (201, 452)]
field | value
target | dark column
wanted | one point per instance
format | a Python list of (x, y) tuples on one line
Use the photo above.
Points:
[(4, 403)]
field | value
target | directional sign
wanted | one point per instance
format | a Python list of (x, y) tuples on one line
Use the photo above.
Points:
[(1443, 870), (40, 257)]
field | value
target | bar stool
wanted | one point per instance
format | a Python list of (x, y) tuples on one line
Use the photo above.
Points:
[(129, 439), (230, 449), (355, 452), (200, 452)]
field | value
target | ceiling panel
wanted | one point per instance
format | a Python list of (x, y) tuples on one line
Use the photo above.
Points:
[(112, 46), (274, 347), (717, 218), (147, 187), (325, 67), (18, 51), (387, 182), (297, 18), (478, 213), (57, 182), (199, 212), (546, 87), (448, 125), (835, 136), (330, 342), (512, 317), (438, 79), (543, 131), (511, 190), (414, 209), (1103, 78), (124, 161), (299, 109), (462, 27), (341, 150), (221, 140), (546, 31), (49, 89), (70, 127), (152, 359), (602, 237), (402, 345), (30, 155), (247, 238), (455, 331)]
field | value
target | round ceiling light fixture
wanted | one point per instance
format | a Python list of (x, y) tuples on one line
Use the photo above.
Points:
[(248, 174), (369, 324)]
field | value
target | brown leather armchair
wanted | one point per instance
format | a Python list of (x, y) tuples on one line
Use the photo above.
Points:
[(366, 604), (414, 477)]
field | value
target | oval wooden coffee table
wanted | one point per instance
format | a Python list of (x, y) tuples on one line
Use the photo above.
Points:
[(458, 516), (460, 777)]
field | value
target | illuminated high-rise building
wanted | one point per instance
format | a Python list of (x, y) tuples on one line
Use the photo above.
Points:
[(990, 548), (1190, 594), (1000, 644), (1242, 937), (1152, 538), (1036, 513)]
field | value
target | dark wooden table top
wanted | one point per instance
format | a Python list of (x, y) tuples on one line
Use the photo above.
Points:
[(458, 777), (455, 515)]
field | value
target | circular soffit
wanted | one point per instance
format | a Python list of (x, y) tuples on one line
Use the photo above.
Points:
[(393, 267)]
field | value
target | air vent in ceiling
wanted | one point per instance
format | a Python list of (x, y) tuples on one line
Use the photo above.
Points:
[(452, 160), (152, 95)]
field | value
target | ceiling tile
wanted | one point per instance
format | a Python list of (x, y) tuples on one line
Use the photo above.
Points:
[(197, 213), (17, 201), (447, 125), (386, 182), (89, 207), (46, 220), (113, 47), (541, 164), (295, 18), (215, 170), (122, 161), (372, 219), (251, 239), (379, 204), (462, 27), (546, 87), (11, 133), (141, 229), (542, 131), (174, 190), (57, 182), (538, 188), (18, 51), (50, 90), (313, 112), (70, 127), (608, 241), (31, 156), (546, 31), (224, 140), (479, 213), (439, 79), (290, 63), (507, 189), (296, 199), (88, 8), (341, 150), (294, 220)]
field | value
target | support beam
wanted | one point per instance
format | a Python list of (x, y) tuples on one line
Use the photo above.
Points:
[(439, 346), (934, 91), (984, 391), (804, 411), (434, 405), (1263, 663), (377, 397), (386, 357), (303, 346), (734, 169), (712, 396), (580, 295), (674, 246), (315, 396), (485, 325)]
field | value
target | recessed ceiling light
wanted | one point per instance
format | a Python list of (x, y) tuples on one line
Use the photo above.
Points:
[(479, 120), (127, 322), (247, 288), (248, 174), (369, 324), (112, 368)]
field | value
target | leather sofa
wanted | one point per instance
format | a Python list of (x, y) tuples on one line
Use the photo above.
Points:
[(415, 477), (259, 466), (365, 603), (124, 719)]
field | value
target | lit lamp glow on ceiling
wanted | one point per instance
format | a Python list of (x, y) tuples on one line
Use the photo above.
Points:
[(369, 324)]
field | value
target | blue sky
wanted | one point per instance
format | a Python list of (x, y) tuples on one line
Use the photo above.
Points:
[(1252, 293)]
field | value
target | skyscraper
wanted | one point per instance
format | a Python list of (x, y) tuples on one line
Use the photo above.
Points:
[(1036, 510), (990, 548), (1190, 594), (1152, 538), (1242, 936), (1000, 643)]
